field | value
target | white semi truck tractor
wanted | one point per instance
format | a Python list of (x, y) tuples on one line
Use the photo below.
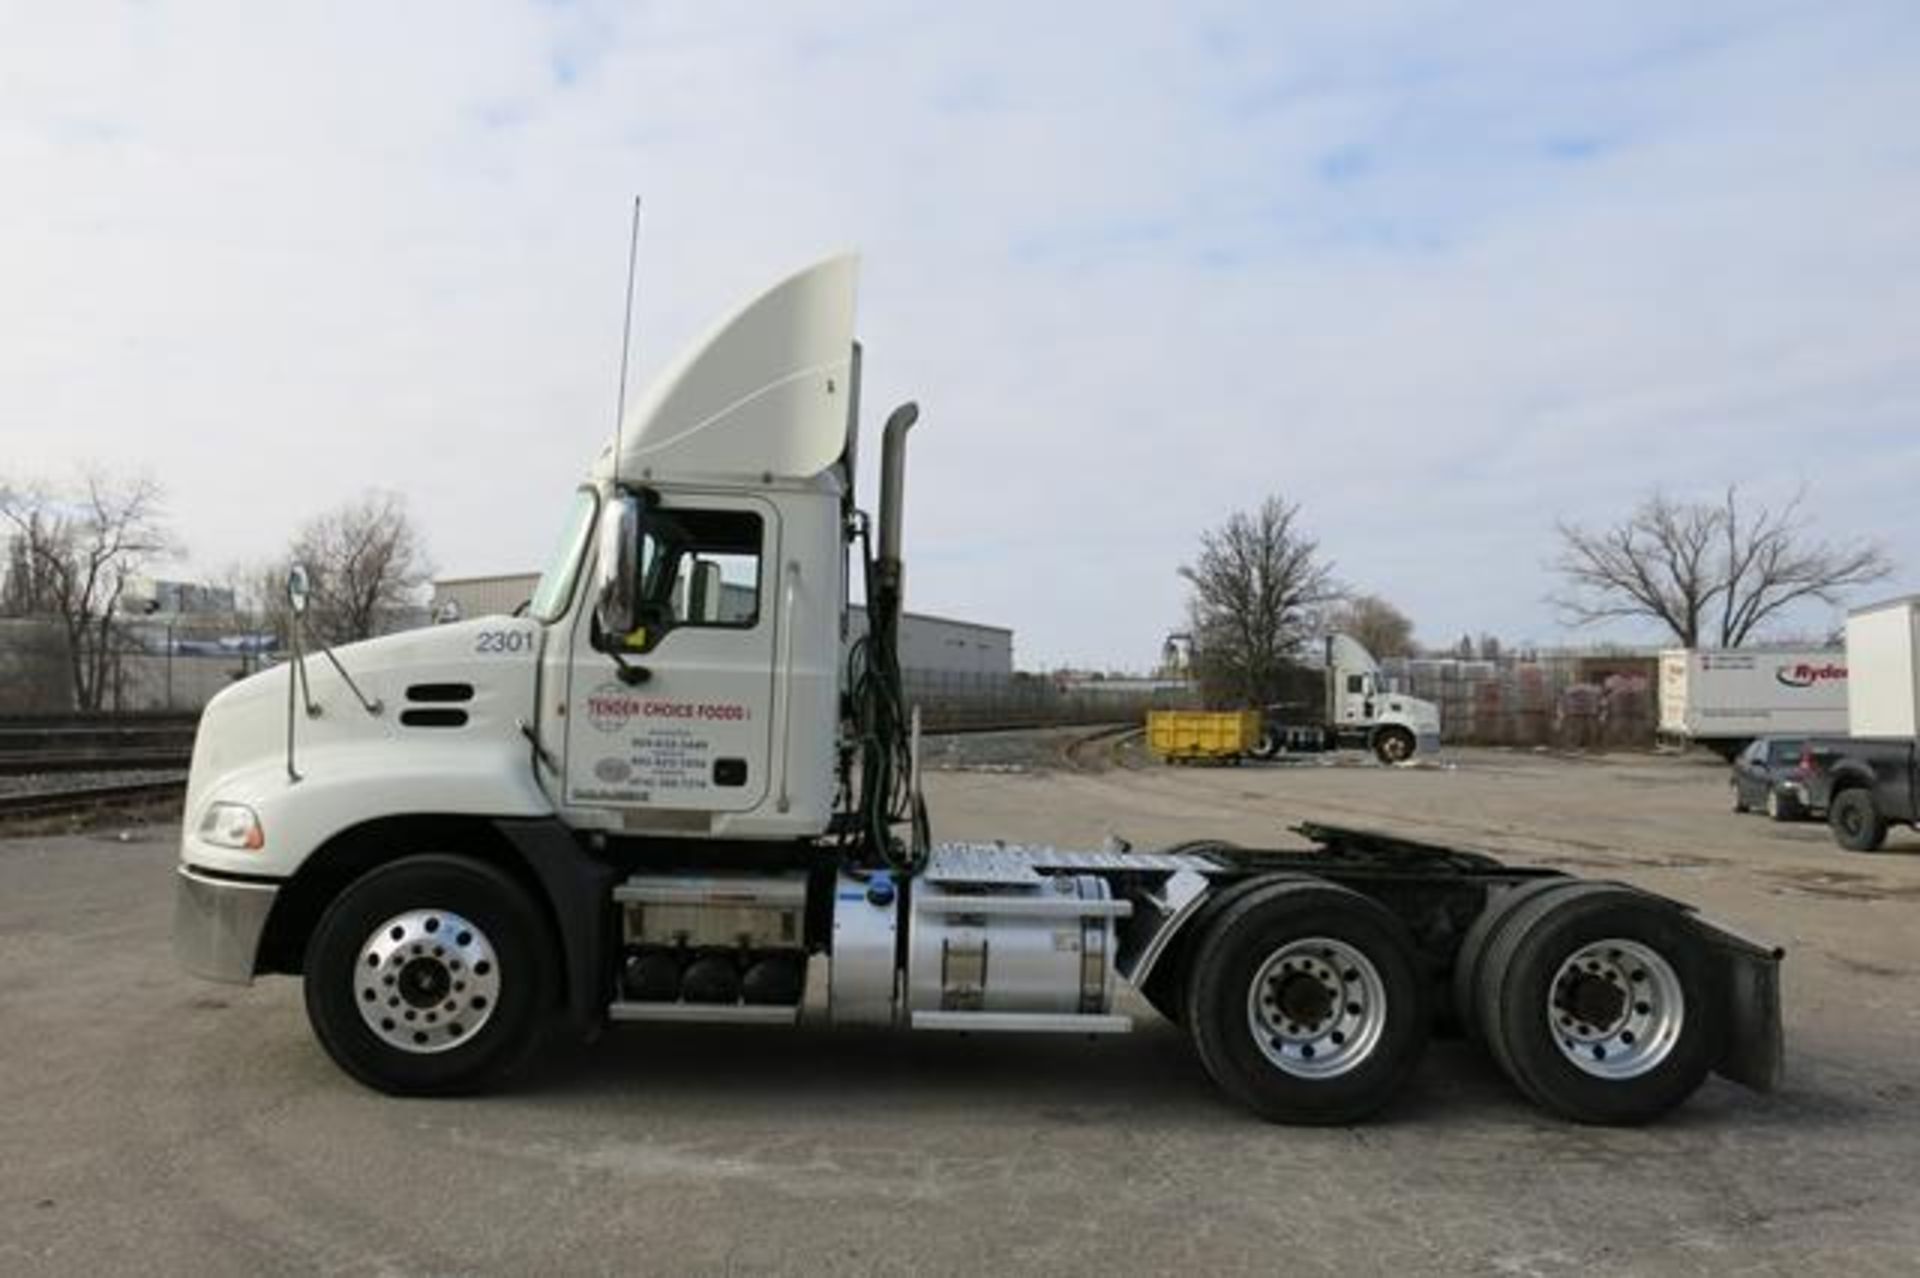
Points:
[(1362, 710), (662, 795)]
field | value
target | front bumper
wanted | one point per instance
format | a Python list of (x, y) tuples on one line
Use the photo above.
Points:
[(217, 924)]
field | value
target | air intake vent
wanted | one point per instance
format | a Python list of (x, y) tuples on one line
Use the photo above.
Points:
[(440, 692), (439, 718)]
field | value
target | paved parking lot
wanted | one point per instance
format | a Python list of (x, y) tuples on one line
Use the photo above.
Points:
[(156, 1124)]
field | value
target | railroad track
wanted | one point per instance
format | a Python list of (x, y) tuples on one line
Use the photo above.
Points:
[(1100, 749), (95, 743), (85, 800), (17, 763)]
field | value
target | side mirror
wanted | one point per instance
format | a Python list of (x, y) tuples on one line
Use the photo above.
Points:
[(709, 591), (617, 595), (299, 590)]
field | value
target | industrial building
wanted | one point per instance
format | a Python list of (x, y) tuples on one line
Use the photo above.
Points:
[(967, 651)]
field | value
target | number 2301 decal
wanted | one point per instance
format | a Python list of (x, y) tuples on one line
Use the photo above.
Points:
[(503, 641)]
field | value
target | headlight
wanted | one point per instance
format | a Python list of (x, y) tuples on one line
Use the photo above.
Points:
[(232, 825)]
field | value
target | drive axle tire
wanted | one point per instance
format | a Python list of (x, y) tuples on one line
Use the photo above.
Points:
[(1601, 1004), (1857, 824), (1305, 1003), (431, 975), (1486, 929)]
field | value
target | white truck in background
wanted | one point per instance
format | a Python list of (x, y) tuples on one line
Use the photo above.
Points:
[(1723, 698), (1362, 710)]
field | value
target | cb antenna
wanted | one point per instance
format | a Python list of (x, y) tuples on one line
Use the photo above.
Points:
[(626, 339)]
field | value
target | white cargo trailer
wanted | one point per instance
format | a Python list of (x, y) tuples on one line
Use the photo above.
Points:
[(1723, 699), (1883, 644)]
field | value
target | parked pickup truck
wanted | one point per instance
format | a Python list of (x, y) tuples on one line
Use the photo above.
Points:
[(1868, 779), (1866, 785)]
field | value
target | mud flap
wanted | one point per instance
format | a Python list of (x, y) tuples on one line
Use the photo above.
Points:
[(1755, 1053)]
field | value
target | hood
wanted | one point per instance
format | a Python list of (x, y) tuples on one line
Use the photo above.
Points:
[(481, 672)]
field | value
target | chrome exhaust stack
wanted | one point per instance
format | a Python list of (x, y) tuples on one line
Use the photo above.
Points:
[(893, 490)]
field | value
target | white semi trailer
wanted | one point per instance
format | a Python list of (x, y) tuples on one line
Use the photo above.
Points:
[(1723, 698), (661, 795)]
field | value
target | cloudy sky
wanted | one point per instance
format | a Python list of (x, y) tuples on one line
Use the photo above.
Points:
[(1442, 273)]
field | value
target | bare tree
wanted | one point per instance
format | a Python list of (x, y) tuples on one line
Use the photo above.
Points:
[(1256, 585), (1712, 572), (366, 561), (72, 555), (1381, 628)]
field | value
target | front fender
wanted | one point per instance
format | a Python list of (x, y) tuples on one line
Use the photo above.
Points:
[(349, 784)]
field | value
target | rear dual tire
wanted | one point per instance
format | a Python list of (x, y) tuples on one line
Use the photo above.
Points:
[(1305, 1003), (1598, 1002)]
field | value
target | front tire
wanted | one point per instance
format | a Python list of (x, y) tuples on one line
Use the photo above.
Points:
[(1305, 1004), (1780, 807), (1393, 745), (1857, 825), (431, 975)]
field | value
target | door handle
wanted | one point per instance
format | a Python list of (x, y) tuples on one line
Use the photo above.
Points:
[(789, 608)]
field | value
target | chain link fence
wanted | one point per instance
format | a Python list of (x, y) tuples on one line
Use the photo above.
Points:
[(952, 701), (151, 666)]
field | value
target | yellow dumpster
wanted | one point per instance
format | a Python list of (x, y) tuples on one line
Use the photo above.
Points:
[(1179, 736)]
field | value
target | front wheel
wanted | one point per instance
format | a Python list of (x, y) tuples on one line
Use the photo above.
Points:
[(1780, 807), (1393, 745), (430, 975), (1305, 1005)]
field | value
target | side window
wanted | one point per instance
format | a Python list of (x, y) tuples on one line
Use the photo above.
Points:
[(1354, 682), (698, 568)]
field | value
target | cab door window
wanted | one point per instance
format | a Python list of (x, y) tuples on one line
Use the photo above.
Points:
[(699, 569)]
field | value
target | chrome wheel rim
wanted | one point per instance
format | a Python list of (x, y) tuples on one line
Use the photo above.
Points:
[(1616, 1009), (426, 981), (1317, 1008)]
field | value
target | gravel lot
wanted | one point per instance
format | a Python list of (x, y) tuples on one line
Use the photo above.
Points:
[(156, 1124)]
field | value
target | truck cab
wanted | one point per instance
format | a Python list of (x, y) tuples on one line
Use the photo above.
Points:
[(1363, 709)]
